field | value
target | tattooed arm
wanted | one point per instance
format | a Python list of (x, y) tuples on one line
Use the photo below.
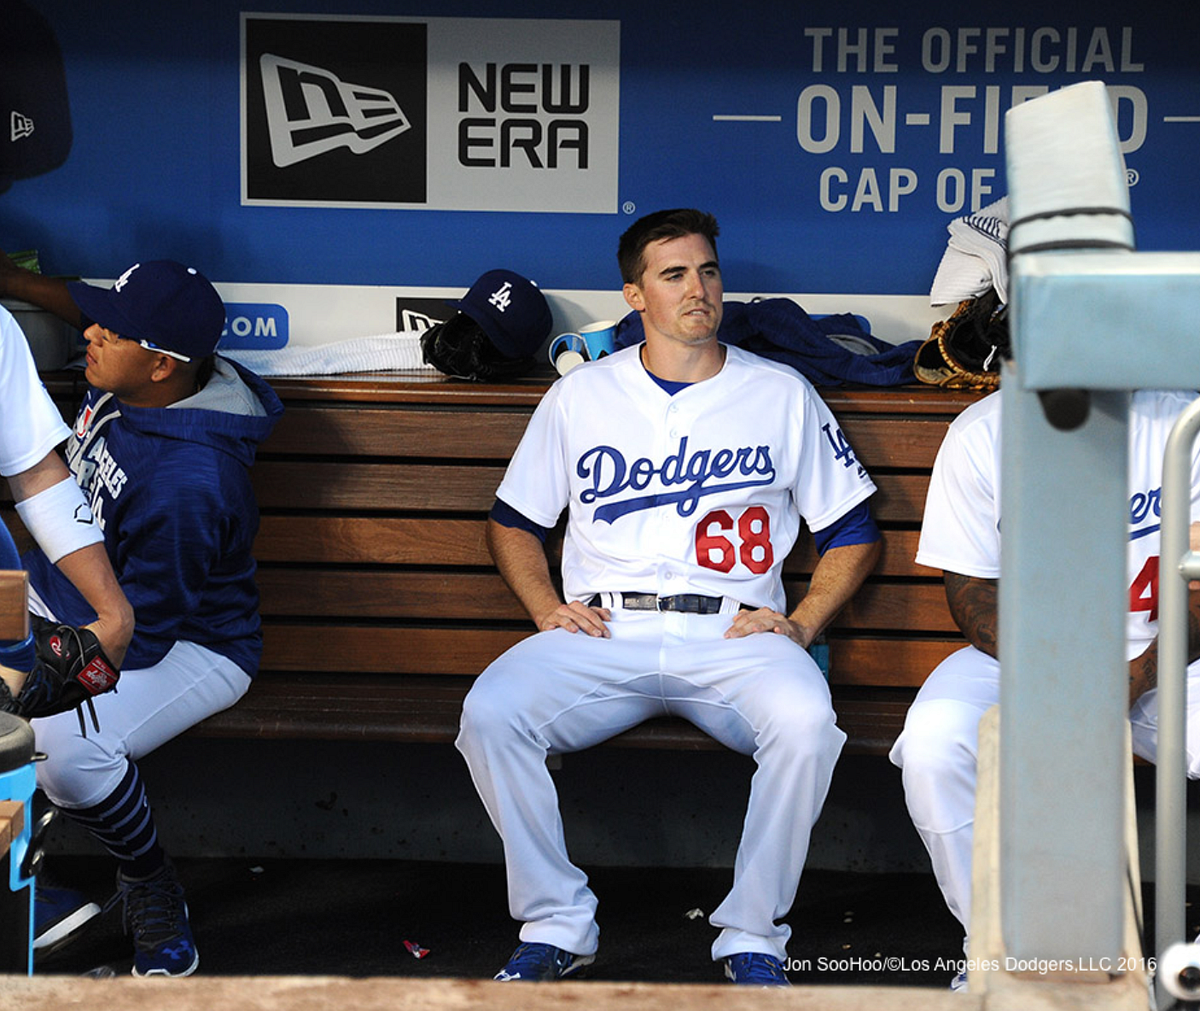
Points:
[(973, 606), (1143, 670)]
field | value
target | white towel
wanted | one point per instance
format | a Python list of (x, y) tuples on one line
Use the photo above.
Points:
[(1064, 156), (976, 256), (360, 354)]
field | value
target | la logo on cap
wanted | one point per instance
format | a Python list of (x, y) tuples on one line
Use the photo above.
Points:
[(502, 296), (124, 278)]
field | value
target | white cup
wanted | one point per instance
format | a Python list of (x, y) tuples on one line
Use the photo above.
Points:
[(566, 351)]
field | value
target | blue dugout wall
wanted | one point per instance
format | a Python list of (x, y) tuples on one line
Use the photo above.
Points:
[(833, 141)]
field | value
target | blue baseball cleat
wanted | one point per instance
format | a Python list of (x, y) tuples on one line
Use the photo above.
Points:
[(155, 912), (539, 963), (754, 968), (59, 916)]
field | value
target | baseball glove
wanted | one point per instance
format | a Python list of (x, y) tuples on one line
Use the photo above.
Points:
[(965, 351), (71, 669), (460, 348)]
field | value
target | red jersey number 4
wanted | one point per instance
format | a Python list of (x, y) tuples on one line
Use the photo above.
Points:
[(1143, 591)]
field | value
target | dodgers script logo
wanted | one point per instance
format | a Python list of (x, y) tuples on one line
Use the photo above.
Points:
[(1145, 507), (701, 473)]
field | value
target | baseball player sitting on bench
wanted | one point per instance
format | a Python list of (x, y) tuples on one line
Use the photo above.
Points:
[(685, 466), (961, 535), (161, 447)]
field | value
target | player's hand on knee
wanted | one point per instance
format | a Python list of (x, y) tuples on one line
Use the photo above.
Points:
[(765, 620), (578, 617)]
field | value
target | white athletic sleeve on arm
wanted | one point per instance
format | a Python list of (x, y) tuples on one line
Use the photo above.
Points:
[(960, 531), (30, 425)]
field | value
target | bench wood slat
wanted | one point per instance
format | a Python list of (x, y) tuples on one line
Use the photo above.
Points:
[(434, 388), (375, 486), (14, 604), (492, 434), (887, 662), (355, 649), (385, 540), (483, 596), (382, 431), (371, 540), (462, 488), (358, 648)]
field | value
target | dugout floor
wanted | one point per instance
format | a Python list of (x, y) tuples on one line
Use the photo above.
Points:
[(352, 918), (305, 917)]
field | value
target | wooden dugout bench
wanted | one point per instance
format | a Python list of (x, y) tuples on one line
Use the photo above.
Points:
[(380, 602)]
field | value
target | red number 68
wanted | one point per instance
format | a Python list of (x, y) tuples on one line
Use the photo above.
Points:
[(715, 551)]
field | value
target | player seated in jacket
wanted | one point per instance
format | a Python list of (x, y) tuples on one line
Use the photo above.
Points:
[(161, 448), (960, 534), (685, 467)]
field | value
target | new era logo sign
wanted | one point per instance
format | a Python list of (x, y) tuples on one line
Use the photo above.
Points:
[(311, 111), (335, 110), (21, 126), (410, 321), (504, 114), (416, 315)]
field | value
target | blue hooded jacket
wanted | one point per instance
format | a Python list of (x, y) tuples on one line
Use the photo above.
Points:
[(171, 490), (826, 350)]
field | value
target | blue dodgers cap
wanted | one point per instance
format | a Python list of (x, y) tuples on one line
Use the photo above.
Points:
[(511, 310), (160, 302)]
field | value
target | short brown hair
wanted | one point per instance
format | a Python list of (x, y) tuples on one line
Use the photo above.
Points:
[(672, 224)]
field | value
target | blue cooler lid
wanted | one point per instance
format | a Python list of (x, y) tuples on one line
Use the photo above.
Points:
[(16, 742)]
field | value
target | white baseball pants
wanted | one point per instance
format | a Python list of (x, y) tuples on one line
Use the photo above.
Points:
[(149, 707), (556, 692), (937, 753)]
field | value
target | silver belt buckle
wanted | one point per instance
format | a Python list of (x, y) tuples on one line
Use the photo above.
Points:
[(640, 601)]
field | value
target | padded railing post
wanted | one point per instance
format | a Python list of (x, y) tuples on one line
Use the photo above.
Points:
[(1177, 564)]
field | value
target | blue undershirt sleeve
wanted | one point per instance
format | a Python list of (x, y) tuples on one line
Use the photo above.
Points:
[(507, 516), (853, 527)]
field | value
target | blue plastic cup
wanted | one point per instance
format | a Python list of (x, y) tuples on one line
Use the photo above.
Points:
[(600, 338)]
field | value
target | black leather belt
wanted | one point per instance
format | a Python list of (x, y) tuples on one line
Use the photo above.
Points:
[(691, 603)]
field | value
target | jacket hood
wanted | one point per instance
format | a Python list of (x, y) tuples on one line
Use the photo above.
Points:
[(234, 412)]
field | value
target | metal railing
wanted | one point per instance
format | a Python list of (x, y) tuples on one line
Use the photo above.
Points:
[(1178, 564)]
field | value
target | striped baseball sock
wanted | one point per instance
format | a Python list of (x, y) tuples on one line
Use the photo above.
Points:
[(124, 825)]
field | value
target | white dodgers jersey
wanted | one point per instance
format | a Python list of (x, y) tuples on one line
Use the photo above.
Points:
[(961, 528), (30, 425), (700, 492)]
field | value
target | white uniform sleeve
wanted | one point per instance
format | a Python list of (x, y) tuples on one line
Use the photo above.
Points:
[(960, 531), (536, 481), (30, 425), (831, 479)]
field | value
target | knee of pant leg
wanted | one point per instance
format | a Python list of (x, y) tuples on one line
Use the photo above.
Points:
[(486, 713), (805, 728), (938, 737), (77, 769)]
